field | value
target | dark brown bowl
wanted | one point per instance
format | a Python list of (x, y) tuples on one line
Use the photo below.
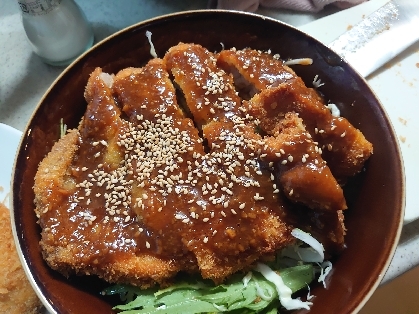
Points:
[(375, 198)]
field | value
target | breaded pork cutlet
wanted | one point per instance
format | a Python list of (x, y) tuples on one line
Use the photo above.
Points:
[(246, 218), (140, 201), (208, 90), (164, 195), (257, 74), (16, 293), (278, 90), (153, 183), (85, 183), (300, 169), (218, 100)]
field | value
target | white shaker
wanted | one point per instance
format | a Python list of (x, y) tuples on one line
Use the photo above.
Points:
[(57, 29)]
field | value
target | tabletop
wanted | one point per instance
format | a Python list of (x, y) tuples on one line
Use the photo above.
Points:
[(24, 78)]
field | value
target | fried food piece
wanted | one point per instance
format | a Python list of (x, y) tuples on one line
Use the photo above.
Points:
[(327, 227), (254, 71), (259, 227), (156, 111), (133, 89), (306, 179), (256, 74), (153, 183), (345, 147), (202, 207), (16, 293), (208, 90), (299, 167), (79, 184), (252, 219), (303, 181), (280, 90), (140, 201)]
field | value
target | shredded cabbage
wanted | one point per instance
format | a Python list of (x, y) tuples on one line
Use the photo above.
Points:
[(247, 278), (284, 291), (220, 308), (63, 128), (333, 109), (262, 294), (152, 50), (309, 296), (312, 254), (317, 82), (300, 61), (107, 79), (325, 269)]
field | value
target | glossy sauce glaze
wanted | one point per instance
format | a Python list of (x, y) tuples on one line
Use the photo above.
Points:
[(195, 185)]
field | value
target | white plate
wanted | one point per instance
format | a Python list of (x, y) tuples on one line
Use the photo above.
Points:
[(9, 141)]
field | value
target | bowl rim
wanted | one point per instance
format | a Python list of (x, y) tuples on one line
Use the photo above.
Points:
[(184, 14)]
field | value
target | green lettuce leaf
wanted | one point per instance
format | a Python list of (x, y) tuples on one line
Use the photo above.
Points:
[(258, 296)]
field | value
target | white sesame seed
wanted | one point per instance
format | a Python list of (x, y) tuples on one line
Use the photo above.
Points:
[(179, 216)]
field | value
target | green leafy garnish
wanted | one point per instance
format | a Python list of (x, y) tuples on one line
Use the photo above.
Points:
[(258, 295)]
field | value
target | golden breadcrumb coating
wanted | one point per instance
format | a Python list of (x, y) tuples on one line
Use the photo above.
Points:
[(16, 293)]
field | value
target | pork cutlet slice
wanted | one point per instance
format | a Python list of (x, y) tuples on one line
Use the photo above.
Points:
[(249, 219), (168, 188), (208, 90), (279, 90), (257, 73), (254, 70), (299, 168), (165, 146), (85, 185), (196, 73)]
